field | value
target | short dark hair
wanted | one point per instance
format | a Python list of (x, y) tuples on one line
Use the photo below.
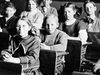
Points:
[(10, 4), (69, 4)]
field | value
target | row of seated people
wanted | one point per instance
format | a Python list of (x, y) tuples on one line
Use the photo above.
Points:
[(48, 66), (54, 40), (31, 45), (76, 29), (24, 48), (57, 37)]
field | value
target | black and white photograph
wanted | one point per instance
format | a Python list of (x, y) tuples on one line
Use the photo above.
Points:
[(49, 37)]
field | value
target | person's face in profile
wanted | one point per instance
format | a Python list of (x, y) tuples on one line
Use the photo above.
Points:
[(69, 13), (32, 5), (51, 25), (10, 11), (23, 28), (90, 8)]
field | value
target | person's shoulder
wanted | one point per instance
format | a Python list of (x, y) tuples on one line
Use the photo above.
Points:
[(84, 19), (30, 41), (36, 38), (81, 21), (60, 32), (39, 13)]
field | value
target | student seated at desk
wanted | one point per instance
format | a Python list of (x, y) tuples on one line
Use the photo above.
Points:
[(52, 38), (93, 25), (24, 49), (75, 28), (8, 22)]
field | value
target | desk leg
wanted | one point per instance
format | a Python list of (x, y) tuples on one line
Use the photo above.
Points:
[(59, 65), (82, 57)]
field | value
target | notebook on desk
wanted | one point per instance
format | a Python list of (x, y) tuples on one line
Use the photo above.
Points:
[(94, 37)]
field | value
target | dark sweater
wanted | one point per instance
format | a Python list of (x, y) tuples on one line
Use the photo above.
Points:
[(9, 26)]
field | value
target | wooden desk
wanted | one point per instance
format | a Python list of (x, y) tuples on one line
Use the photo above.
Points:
[(93, 50), (4, 38), (49, 61), (9, 68), (82, 73), (73, 59)]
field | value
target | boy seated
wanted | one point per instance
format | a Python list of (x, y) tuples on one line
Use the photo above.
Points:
[(51, 37), (54, 39), (24, 49)]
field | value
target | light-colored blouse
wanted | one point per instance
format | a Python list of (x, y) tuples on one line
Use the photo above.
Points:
[(36, 18), (95, 26)]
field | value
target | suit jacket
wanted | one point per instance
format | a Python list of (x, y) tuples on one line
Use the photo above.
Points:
[(10, 25)]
